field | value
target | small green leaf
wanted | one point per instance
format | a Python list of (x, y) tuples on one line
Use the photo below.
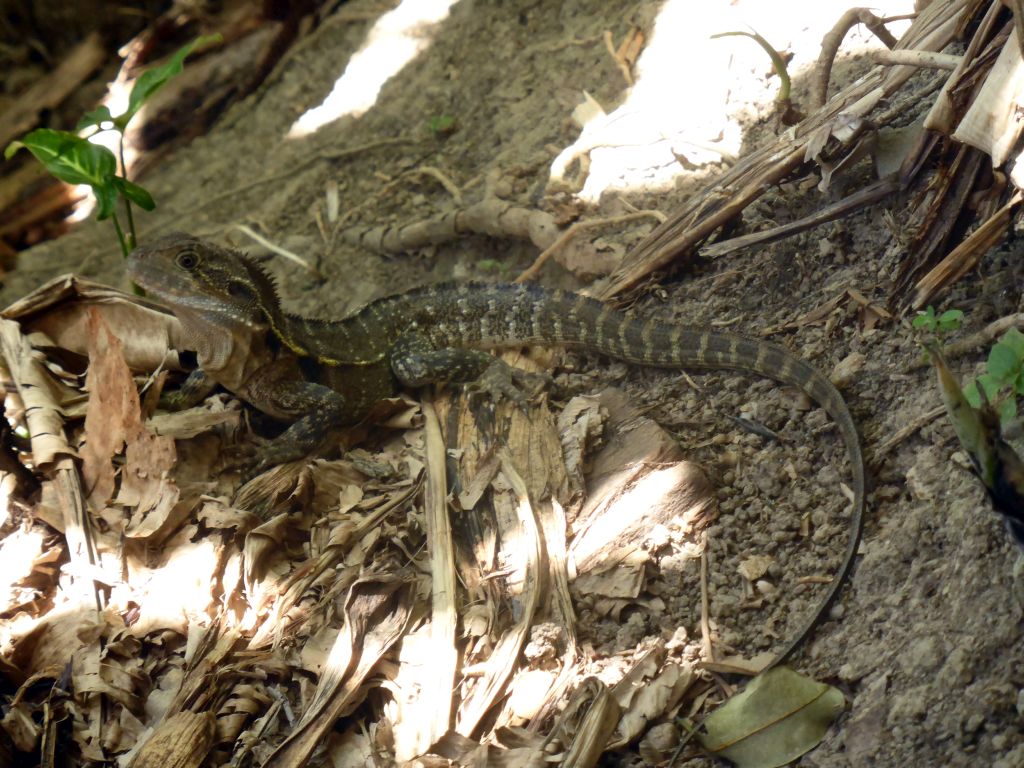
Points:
[(1003, 362), (13, 147), (950, 320), (1014, 339), (152, 80), (1007, 410), (1018, 383), (135, 193), (70, 158), (990, 386), (971, 394), (96, 118), (925, 320), (441, 124), (106, 199)]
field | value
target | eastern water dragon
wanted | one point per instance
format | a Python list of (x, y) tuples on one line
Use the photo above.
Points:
[(318, 374)]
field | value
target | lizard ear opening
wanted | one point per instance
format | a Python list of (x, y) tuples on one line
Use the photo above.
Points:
[(241, 291)]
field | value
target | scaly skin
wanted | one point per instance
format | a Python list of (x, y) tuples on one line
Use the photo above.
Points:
[(318, 374)]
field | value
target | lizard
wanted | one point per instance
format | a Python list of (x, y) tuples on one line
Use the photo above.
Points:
[(318, 374)]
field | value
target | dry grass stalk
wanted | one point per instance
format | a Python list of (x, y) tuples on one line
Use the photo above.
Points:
[(728, 195)]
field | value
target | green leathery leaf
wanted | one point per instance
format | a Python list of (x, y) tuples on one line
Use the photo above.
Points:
[(106, 200), (96, 118), (972, 395), (70, 158), (779, 716), (152, 80), (1003, 362), (1007, 410), (1015, 340), (135, 193)]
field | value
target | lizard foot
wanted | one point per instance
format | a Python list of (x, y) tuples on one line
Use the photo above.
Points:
[(257, 455), (502, 381)]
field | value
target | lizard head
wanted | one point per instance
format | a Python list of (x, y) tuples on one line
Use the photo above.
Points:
[(196, 277)]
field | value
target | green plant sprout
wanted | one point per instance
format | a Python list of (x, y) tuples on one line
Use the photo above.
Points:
[(75, 160), (940, 325), (493, 265), (441, 125)]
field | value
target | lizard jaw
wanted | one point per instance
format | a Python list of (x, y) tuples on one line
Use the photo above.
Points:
[(179, 291)]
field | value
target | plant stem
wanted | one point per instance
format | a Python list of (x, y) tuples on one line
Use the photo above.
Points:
[(133, 240), (120, 235)]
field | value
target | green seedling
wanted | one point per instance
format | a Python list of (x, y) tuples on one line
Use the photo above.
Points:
[(493, 265), (441, 125), (74, 159), (928, 322)]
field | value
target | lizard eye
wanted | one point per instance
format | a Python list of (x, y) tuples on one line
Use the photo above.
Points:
[(187, 260)]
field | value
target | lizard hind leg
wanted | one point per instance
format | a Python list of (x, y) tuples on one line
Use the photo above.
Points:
[(416, 363)]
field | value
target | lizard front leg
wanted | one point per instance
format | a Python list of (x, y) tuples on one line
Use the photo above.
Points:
[(416, 363), (196, 386), (314, 410)]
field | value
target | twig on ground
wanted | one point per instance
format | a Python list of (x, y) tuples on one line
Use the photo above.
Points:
[(927, 59), (830, 47), (284, 252), (531, 272), (450, 186), (705, 607), (902, 434), (860, 199)]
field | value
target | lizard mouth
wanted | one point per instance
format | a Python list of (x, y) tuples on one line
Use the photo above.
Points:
[(160, 282)]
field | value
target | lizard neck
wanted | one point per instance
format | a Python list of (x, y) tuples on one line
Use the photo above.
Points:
[(226, 349), (331, 342)]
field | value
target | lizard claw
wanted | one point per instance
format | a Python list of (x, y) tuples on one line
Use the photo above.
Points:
[(502, 381)]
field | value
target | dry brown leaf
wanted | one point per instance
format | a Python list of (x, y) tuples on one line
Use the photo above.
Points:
[(180, 586), (431, 653), (652, 700), (499, 667), (41, 396), (377, 614), (191, 422), (580, 426), (992, 123), (58, 311), (181, 741), (587, 724), (623, 580), (113, 412)]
